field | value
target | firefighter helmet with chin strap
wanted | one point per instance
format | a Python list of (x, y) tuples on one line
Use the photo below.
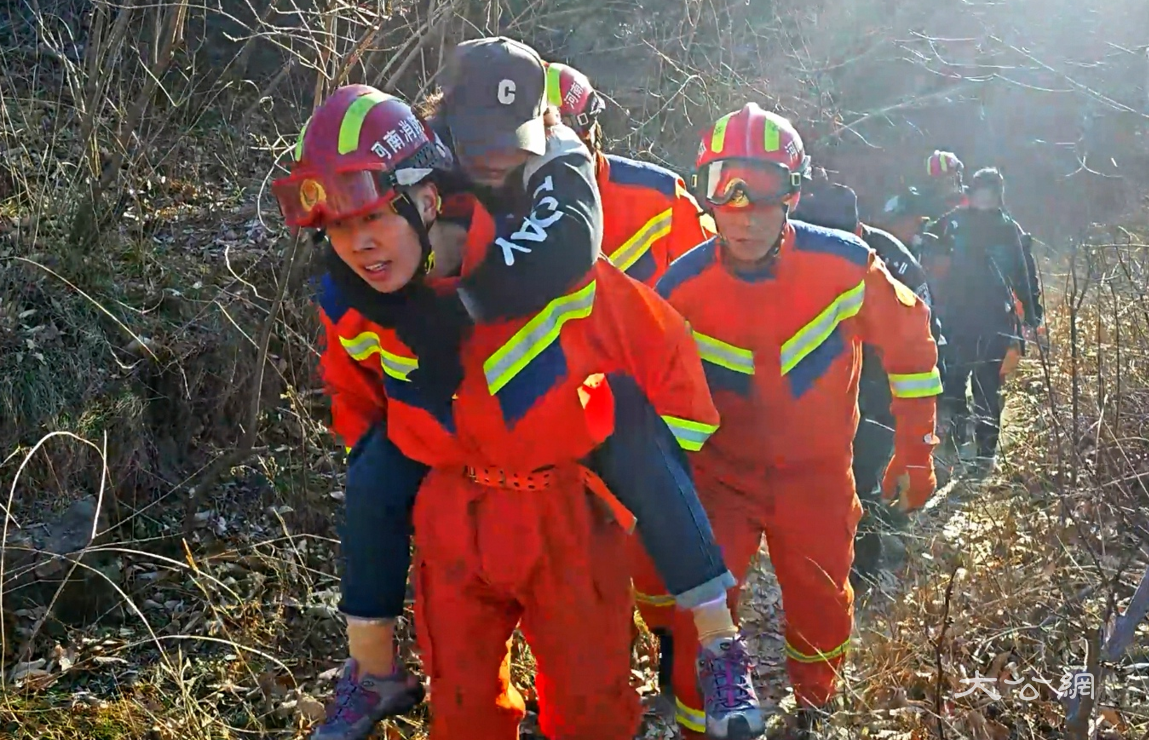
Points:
[(750, 156), (361, 149)]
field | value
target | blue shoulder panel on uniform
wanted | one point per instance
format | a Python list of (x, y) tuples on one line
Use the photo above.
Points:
[(813, 366), (531, 383), (643, 268), (407, 392), (330, 298), (719, 378), (689, 265), (642, 174), (810, 238)]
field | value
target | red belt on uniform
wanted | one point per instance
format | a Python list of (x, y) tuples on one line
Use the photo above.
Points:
[(540, 480)]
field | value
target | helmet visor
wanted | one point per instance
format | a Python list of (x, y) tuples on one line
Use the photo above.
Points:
[(721, 182), (309, 198)]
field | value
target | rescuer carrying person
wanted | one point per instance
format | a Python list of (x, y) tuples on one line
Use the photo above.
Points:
[(348, 155), (649, 217), (833, 206), (780, 310)]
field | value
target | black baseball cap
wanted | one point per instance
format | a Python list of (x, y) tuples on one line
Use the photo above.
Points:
[(494, 96)]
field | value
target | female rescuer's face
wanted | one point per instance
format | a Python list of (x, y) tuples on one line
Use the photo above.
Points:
[(380, 246)]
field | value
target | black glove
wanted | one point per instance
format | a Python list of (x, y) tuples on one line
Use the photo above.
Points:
[(434, 325)]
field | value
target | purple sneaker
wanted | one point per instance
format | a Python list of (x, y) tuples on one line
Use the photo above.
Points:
[(362, 700), (731, 705)]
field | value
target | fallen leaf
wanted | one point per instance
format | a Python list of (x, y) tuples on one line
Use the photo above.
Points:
[(311, 709), (889, 697), (64, 658), (1111, 716)]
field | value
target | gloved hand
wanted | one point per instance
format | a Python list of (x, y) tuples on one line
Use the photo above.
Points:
[(910, 475), (433, 325)]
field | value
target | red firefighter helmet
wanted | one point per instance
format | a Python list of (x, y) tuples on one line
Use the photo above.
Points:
[(571, 92), (751, 155), (361, 148), (943, 164)]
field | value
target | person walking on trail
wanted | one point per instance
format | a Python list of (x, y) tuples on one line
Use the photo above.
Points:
[(779, 310), (376, 535), (988, 278), (835, 206), (649, 217)]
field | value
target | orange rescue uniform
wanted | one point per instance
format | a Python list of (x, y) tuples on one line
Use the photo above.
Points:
[(649, 218), (782, 353), (510, 529)]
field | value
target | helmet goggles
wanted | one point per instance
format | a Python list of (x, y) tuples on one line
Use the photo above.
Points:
[(741, 182), (310, 196)]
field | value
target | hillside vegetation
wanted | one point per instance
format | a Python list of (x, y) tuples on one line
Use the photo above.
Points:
[(171, 491)]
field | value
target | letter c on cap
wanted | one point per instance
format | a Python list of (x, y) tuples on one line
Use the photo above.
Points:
[(507, 92)]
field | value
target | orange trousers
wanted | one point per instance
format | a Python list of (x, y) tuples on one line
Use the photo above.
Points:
[(809, 518), (490, 559)]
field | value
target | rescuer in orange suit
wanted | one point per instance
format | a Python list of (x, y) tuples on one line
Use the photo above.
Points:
[(779, 310), (649, 217), (365, 173), (510, 527)]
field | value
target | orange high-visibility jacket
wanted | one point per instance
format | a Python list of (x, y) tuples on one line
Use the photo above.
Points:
[(782, 350), (649, 218), (518, 406)]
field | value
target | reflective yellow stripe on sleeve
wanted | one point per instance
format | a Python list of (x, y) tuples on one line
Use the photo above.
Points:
[(366, 344), (692, 719), (654, 600), (538, 334), (794, 654), (691, 435), (811, 336), (640, 243), (725, 355), (916, 385)]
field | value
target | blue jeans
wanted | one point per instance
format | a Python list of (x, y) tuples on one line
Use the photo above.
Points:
[(641, 463)]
